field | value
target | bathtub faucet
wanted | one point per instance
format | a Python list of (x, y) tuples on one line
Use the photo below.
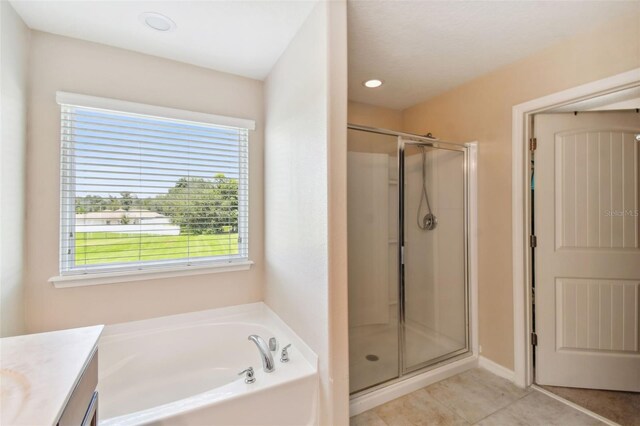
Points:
[(267, 360)]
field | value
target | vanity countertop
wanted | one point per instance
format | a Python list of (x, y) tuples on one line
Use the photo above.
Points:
[(38, 373)]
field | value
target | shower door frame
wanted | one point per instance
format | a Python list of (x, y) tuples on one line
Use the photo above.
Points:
[(455, 362), (404, 140)]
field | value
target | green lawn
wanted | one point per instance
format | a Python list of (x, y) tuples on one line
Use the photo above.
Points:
[(110, 247)]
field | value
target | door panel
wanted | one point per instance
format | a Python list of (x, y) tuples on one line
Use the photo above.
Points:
[(597, 315), (596, 172), (587, 263)]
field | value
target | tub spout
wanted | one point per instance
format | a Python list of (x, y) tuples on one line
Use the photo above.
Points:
[(267, 360)]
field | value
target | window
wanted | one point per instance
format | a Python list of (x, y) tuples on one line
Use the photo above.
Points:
[(145, 187)]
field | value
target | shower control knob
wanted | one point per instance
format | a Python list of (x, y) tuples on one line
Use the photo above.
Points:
[(429, 222), (273, 344), (250, 375), (284, 356)]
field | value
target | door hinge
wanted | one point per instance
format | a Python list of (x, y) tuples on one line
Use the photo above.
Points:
[(533, 144), (534, 339), (402, 255), (533, 241)]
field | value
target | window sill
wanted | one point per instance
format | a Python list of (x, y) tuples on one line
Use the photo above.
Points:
[(82, 280)]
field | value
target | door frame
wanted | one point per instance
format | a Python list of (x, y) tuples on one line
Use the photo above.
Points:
[(521, 207)]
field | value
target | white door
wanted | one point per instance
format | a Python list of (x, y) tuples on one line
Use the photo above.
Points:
[(587, 260)]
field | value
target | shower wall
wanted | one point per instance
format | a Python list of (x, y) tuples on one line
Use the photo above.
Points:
[(372, 256), (433, 258), (372, 210), (435, 319), (368, 239)]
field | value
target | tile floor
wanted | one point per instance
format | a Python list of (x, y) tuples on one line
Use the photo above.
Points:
[(621, 407), (475, 397)]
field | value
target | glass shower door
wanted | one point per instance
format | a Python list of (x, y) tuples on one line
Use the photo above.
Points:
[(372, 218), (433, 272), (407, 255)]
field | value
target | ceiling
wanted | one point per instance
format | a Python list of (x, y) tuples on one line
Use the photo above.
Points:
[(239, 37), (423, 48), (418, 48)]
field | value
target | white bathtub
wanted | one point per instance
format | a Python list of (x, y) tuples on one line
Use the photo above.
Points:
[(183, 370)]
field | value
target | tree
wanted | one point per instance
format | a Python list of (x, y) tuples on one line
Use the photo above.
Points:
[(90, 203), (197, 205), (202, 206), (127, 200)]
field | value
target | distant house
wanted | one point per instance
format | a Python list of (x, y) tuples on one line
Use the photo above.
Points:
[(126, 221)]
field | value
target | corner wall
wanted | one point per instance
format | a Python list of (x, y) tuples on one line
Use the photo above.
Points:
[(13, 87), (481, 110), (61, 63), (337, 171), (305, 166)]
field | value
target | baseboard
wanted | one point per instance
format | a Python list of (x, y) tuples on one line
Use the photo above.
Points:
[(395, 390), (496, 368)]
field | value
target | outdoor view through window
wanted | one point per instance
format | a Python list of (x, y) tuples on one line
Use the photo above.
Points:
[(141, 191)]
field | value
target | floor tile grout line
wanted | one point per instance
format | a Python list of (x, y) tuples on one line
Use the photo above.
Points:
[(503, 408), (432, 400), (447, 408), (483, 384)]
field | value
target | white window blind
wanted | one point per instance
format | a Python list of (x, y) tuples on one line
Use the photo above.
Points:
[(143, 191)]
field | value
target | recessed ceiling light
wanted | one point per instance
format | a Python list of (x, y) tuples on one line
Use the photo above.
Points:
[(372, 84), (157, 21)]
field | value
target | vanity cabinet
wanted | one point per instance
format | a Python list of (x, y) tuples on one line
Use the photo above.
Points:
[(50, 378), (82, 408)]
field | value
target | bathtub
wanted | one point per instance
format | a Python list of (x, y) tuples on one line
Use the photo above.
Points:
[(183, 370)]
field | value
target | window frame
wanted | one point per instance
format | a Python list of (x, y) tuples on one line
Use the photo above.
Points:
[(71, 275)]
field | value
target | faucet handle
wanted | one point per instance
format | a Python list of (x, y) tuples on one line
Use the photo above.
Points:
[(284, 355), (273, 344), (250, 377)]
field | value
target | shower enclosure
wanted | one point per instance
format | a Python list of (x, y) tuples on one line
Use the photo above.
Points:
[(407, 239)]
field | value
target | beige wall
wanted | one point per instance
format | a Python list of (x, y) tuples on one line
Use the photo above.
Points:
[(60, 63), (305, 126), (374, 116), (13, 86), (481, 110)]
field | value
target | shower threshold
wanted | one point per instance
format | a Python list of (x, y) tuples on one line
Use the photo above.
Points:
[(433, 365), (381, 393)]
